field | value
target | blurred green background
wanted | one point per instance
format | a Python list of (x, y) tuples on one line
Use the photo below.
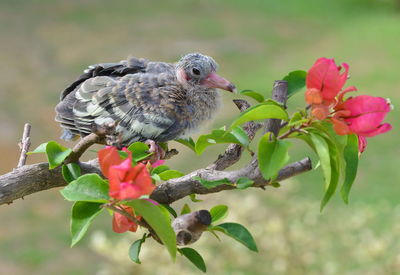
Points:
[(45, 44)]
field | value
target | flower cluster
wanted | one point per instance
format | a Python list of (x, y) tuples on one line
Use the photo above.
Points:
[(126, 182), (361, 115)]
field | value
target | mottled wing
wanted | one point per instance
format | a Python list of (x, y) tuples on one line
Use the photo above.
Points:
[(144, 106), (130, 66)]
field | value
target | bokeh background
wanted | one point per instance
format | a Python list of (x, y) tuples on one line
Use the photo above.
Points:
[(45, 44)]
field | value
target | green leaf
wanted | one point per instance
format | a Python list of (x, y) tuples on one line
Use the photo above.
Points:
[(244, 183), (169, 209), (237, 135), (322, 150), (193, 198), (351, 159), (261, 111), (272, 155), (83, 214), (188, 143), (55, 153), (170, 174), (218, 212), (296, 81), (140, 151), (239, 233), (159, 169), (297, 119), (194, 257), (155, 216), (211, 184), (185, 209), (71, 172), (89, 187), (257, 96), (240, 135), (40, 149), (328, 154), (134, 249)]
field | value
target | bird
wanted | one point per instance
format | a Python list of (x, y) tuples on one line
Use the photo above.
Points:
[(145, 100)]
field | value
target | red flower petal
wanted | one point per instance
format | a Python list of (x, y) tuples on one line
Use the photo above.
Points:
[(325, 76), (127, 182), (107, 157), (367, 113), (121, 223), (362, 143), (383, 128)]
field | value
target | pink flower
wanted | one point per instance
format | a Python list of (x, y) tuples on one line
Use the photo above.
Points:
[(362, 115), (158, 163), (121, 223), (324, 80), (107, 157), (127, 182)]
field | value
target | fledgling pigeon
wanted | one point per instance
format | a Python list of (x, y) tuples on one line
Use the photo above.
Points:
[(145, 100)]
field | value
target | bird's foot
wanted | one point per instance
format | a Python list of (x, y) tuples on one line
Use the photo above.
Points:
[(159, 152), (111, 137)]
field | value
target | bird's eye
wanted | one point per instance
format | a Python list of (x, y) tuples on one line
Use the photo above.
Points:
[(196, 71)]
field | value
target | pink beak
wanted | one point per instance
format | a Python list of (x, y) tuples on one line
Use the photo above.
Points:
[(215, 81)]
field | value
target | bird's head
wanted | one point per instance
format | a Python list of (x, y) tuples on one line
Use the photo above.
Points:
[(195, 69)]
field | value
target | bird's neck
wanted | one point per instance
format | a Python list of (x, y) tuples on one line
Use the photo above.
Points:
[(204, 103)]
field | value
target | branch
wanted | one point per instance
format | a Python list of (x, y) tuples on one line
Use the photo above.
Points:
[(178, 188), (24, 145), (34, 178), (30, 179)]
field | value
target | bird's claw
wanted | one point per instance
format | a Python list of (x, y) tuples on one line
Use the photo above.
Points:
[(159, 152)]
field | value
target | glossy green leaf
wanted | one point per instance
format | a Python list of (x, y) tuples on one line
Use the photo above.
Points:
[(194, 257), (257, 96), (155, 216), (296, 81), (237, 135), (240, 135), (272, 155), (71, 172), (193, 198), (351, 159), (297, 119), (159, 169), (211, 184), (40, 149), (56, 154), (189, 142), (244, 183), (335, 170), (134, 249), (89, 187), (218, 213), (185, 209), (169, 209), (322, 150), (261, 111), (239, 233), (140, 151), (170, 174), (83, 214), (329, 158)]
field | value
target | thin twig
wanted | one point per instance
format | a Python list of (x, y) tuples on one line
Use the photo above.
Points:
[(82, 146), (142, 223), (234, 151), (24, 145)]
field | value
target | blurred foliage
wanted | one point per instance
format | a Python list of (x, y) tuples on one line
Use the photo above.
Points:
[(46, 44)]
